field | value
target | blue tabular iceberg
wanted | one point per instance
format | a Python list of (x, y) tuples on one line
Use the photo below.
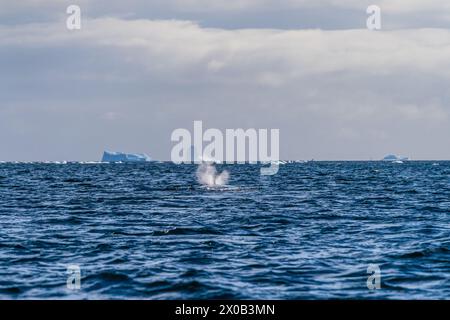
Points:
[(393, 157), (124, 157)]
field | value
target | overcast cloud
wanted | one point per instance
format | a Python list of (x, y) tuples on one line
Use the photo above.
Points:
[(138, 70)]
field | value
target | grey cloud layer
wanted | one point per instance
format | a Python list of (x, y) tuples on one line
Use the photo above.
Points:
[(126, 84), (235, 14)]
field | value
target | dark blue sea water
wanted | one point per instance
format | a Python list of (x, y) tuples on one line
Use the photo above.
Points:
[(151, 231)]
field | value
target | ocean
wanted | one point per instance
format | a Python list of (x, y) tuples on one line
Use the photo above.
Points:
[(151, 231)]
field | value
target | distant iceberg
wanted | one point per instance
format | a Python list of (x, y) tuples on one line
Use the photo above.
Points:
[(124, 157), (393, 157)]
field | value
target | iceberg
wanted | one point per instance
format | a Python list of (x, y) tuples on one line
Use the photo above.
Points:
[(124, 157), (393, 157)]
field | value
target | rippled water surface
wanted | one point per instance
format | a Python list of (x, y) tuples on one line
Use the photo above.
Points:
[(151, 231)]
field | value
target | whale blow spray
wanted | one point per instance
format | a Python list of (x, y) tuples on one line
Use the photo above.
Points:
[(207, 175)]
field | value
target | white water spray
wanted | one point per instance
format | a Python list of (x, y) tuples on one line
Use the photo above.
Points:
[(207, 175)]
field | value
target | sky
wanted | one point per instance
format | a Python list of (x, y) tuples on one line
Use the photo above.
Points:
[(137, 70)]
